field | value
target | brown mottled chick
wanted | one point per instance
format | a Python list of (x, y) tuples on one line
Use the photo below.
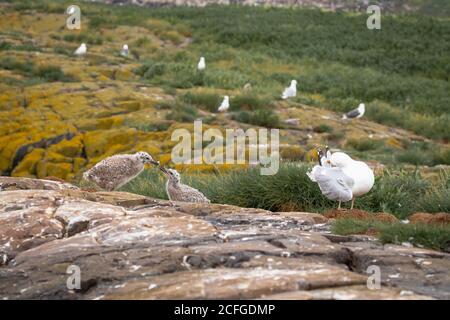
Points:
[(181, 192), (113, 172)]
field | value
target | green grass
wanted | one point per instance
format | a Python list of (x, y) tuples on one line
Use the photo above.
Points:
[(401, 72), (399, 193), (430, 236), (264, 118), (41, 73), (182, 113)]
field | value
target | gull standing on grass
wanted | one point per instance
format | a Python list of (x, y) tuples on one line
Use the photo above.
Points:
[(290, 91), (340, 178), (201, 64), (81, 50), (224, 105), (355, 113), (124, 52)]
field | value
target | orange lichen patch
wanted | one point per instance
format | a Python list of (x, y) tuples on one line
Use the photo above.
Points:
[(360, 215), (344, 214), (392, 142), (441, 218)]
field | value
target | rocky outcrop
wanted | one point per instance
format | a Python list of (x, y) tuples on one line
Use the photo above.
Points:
[(128, 246)]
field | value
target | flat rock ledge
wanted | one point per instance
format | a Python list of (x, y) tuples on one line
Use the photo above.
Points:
[(128, 246)]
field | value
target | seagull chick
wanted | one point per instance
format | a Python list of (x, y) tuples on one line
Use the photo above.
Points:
[(124, 52), (181, 192), (290, 91), (81, 50), (201, 64), (113, 172), (355, 113), (224, 105)]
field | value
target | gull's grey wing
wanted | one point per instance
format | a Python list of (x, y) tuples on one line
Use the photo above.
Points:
[(334, 184), (353, 114)]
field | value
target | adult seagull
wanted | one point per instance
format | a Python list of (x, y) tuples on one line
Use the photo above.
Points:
[(355, 113), (290, 91), (201, 64), (340, 178), (124, 52), (224, 105), (81, 50)]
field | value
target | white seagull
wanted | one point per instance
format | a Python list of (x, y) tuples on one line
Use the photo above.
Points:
[(124, 51), (340, 178), (355, 113), (290, 91), (201, 64), (224, 105), (81, 50)]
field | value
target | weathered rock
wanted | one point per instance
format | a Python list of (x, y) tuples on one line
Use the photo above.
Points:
[(132, 247), (11, 183)]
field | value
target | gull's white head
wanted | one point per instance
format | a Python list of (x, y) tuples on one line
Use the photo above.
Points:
[(293, 83), (202, 59), (125, 47), (83, 46), (361, 108), (226, 98), (340, 159)]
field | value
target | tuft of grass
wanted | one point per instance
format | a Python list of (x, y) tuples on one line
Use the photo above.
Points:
[(430, 236), (208, 101), (262, 117), (323, 128), (182, 113), (364, 144), (42, 73), (246, 102)]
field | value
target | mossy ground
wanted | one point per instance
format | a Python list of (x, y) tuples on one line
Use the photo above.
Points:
[(109, 104)]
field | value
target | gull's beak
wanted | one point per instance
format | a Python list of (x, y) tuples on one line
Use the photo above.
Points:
[(154, 162), (163, 170)]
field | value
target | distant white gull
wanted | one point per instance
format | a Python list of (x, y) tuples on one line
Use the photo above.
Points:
[(124, 52), (355, 113), (290, 91), (340, 178), (224, 105), (81, 50), (201, 64)]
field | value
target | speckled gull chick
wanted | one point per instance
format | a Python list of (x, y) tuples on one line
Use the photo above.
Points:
[(113, 172), (181, 192), (340, 178)]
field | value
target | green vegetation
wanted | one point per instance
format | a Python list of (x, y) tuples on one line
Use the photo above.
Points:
[(399, 193), (430, 236), (41, 73), (263, 117), (401, 72)]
